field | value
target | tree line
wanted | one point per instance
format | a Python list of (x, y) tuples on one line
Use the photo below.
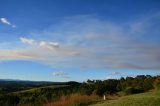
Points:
[(129, 85)]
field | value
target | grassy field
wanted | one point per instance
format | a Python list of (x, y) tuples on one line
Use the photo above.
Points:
[(143, 99)]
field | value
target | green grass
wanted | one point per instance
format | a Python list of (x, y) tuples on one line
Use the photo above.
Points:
[(143, 99)]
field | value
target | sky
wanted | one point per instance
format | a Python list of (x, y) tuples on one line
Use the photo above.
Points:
[(76, 40)]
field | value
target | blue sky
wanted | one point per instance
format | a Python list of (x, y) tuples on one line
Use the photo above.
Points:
[(63, 40)]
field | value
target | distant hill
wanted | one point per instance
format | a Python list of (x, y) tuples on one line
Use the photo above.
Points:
[(17, 81)]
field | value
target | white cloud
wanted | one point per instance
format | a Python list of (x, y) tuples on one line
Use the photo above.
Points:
[(49, 45), (13, 26), (116, 73), (27, 41), (43, 44), (119, 75), (5, 21), (61, 74), (109, 77), (58, 73)]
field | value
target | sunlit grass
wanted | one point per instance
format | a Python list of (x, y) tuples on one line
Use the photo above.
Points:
[(143, 99)]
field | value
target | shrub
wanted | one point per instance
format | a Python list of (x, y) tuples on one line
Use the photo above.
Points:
[(132, 90), (9, 100)]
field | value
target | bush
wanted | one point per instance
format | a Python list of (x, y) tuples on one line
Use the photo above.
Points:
[(9, 100), (132, 90), (157, 85)]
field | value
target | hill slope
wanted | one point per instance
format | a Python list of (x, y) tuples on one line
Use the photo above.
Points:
[(144, 99)]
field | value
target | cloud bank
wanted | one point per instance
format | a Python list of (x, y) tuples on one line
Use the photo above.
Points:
[(86, 42)]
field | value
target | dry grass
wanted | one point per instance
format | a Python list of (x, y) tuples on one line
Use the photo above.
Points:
[(112, 97), (75, 98)]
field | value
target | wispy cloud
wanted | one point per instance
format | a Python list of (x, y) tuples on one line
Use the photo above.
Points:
[(49, 45), (15, 55), (116, 73), (86, 41), (27, 41), (60, 74), (5, 21)]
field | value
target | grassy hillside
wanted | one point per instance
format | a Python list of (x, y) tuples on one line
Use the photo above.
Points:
[(39, 88), (143, 99)]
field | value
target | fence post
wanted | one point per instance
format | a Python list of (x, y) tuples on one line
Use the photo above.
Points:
[(104, 97)]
